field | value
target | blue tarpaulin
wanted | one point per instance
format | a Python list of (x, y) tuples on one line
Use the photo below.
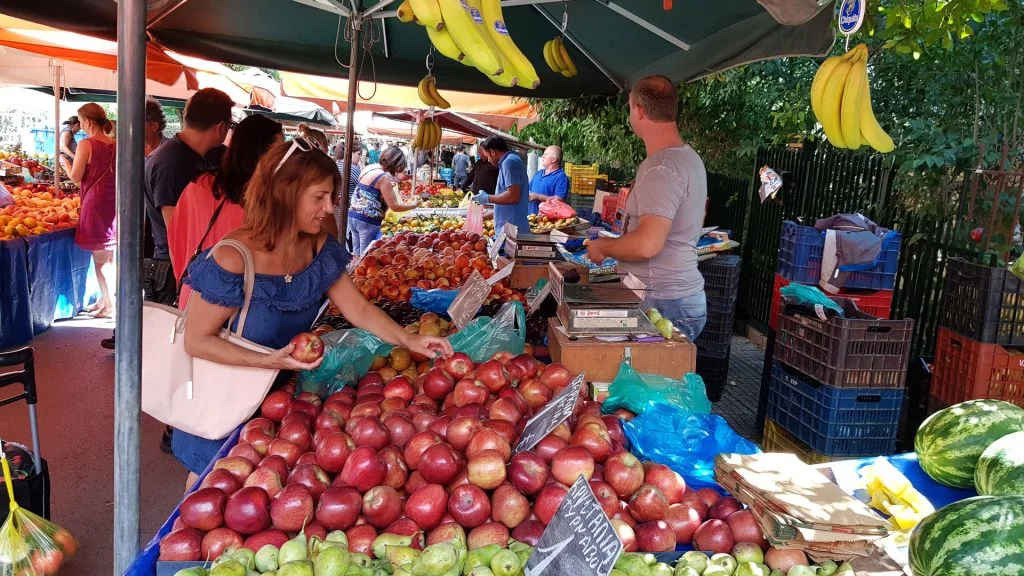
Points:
[(42, 279)]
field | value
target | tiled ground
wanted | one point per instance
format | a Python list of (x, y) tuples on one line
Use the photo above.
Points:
[(739, 398)]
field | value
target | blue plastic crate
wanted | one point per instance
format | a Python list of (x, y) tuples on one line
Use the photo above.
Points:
[(835, 421), (800, 255)]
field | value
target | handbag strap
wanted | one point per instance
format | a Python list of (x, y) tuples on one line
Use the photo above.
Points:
[(199, 249), (248, 282)]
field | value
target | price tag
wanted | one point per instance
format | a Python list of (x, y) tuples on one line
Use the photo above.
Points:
[(559, 236), (579, 540), (537, 299), (494, 250), (505, 272), (469, 299), (554, 413), (510, 230)]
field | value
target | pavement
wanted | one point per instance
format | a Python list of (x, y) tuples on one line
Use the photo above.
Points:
[(742, 389)]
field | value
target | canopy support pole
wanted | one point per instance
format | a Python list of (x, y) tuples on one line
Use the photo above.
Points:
[(356, 22), (131, 108), (644, 24), (57, 69)]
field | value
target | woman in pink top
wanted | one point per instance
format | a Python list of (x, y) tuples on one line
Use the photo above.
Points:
[(211, 205), (93, 170)]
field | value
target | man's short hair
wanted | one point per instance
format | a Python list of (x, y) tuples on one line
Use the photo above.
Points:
[(494, 143), (557, 151), (207, 108), (657, 97), (155, 113)]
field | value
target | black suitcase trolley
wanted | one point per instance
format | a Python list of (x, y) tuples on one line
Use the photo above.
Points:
[(33, 491)]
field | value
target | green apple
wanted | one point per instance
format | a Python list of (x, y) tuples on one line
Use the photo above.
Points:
[(751, 569), (266, 558), (653, 314), (725, 561), (694, 559), (827, 568), (685, 571), (748, 552), (661, 569)]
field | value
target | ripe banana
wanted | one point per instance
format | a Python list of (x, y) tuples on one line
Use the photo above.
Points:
[(417, 142), (424, 92), (493, 20), (507, 77), (437, 135), (832, 101), (850, 107), (428, 13), (549, 58), (439, 100), (820, 79), (872, 133), (460, 20), (442, 40), (405, 13), (569, 69)]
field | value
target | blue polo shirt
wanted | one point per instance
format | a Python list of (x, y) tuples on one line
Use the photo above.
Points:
[(512, 171), (554, 184)]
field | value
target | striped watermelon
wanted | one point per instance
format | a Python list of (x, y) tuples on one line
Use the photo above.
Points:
[(1001, 467), (950, 441), (980, 536)]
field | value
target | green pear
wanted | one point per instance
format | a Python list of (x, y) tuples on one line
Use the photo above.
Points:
[(845, 569), (717, 571), (193, 571), (252, 573), (633, 565), (360, 560), (337, 537), (271, 573), (725, 561), (505, 563), (230, 567), (827, 568), (777, 572), (292, 550), (617, 572), (751, 569), (266, 558), (436, 560), (245, 557), (381, 543), (801, 570), (664, 326), (296, 568), (662, 569), (649, 559), (401, 555), (694, 559), (653, 314), (481, 571), (524, 555), (331, 561), (683, 570)]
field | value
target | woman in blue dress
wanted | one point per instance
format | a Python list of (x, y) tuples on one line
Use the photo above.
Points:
[(297, 263)]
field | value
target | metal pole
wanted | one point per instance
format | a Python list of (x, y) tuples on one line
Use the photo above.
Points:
[(131, 108), (356, 22), (57, 68)]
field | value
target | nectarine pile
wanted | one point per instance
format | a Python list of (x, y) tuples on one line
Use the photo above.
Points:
[(37, 209)]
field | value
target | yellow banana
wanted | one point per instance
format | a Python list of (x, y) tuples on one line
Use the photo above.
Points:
[(405, 13), (820, 79), (439, 100), (495, 24), (417, 142), (849, 111), (437, 135), (563, 54), (428, 13), (424, 92), (549, 59), (556, 55), (831, 104), (442, 40), (507, 77), (870, 131), (461, 24)]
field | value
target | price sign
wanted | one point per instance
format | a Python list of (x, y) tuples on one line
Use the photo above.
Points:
[(533, 304), (558, 236), (579, 540), (554, 413), (469, 299), (505, 272), (494, 250)]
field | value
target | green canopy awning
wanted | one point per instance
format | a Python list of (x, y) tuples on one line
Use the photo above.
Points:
[(621, 40)]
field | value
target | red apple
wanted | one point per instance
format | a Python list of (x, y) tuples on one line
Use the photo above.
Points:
[(308, 347), (555, 376), (509, 506), (183, 545), (223, 480), (396, 471), (307, 458), (260, 539), (457, 365), (423, 420), (713, 536), (667, 480), (312, 478), (203, 509), (527, 364), (360, 539), (369, 407), (615, 431), (528, 472), (486, 469), (311, 397), (400, 428), (426, 506), (406, 527), (535, 394), (389, 405), (692, 499), (784, 559), (549, 446), (239, 467), (507, 430), (333, 451), (461, 430), (417, 445), (381, 506), (724, 508), (493, 375), (595, 438), (370, 379), (248, 511), (469, 392), (328, 421), (548, 500), (469, 505), (440, 426), (605, 497), (710, 496), (505, 409), (267, 479), (369, 431), (292, 508), (414, 483), (449, 531), (399, 387), (307, 408), (647, 504), (338, 508), (529, 532), (562, 431), (684, 521), (363, 470), (315, 531), (439, 464), (285, 449), (275, 405), (624, 473), (437, 384), (218, 541), (745, 528), (571, 462), (487, 439), (626, 534), (277, 464), (486, 535), (655, 536)]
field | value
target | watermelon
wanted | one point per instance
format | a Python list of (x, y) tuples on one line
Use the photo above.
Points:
[(1001, 467), (949, 442), (980, 536)]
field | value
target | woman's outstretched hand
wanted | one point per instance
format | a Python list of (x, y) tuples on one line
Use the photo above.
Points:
[(430, 346), (282, 360)]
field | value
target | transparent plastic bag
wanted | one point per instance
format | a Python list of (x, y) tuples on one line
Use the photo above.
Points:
[(484, 337), (30, 545), (437, 300), (348, 354), (637, 392), (474, 219), (684, 441), (6, 198)]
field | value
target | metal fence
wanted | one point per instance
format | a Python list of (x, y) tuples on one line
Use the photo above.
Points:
[(728, 198)]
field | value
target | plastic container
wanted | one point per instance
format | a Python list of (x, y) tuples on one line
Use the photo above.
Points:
[(800, 256), (858, 351), (716, 337), (583, 205), (715, 373), (966, 369), (983, 303), (777, 439), (835, 421), (609, 204), (877, 303), (583, 185), (721, 276)]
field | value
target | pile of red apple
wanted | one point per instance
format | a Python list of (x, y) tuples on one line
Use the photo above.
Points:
[(415, 449), (436, 260)]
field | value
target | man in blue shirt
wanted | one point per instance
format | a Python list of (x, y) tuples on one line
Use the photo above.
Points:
[(511, 196), (550, 181)]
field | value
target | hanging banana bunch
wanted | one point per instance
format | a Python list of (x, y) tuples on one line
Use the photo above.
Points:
[(841, 101), (428, 135), (557, 58), (427, 90)]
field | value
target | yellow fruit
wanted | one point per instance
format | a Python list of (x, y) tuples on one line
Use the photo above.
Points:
[(495, 24), (423, 91), (427, 13), (439, 101), (872, 133), (832, 101), (820, 79), (549, 59), (442, 40), (460, 20), (850, 109), (563, 54), (405, 13), (556, 55)]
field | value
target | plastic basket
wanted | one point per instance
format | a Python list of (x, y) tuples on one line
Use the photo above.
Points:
[(853, 352), (721, 277), (966, 369), (583, 205), (800, 255), (983, 303), (609, 204), (876, 303), (715, 373), (835, 421), (776, 439), (588, 170), (715, 338), (583, 185)]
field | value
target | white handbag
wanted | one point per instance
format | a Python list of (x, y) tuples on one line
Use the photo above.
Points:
[(200, 397)]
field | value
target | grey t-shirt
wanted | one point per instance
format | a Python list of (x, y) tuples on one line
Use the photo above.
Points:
[(460, 164), (671, 183)]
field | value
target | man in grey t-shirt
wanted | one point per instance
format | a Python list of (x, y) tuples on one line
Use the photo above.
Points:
[(664, 211)]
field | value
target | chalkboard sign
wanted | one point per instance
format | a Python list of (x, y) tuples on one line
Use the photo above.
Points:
[(554, 413), (469, 299), (579, 540)]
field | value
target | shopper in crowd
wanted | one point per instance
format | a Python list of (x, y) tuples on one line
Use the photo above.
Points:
[(297, 263), (355, 170), (511, 196), (316, 137), (447, 155), (664, 211), (550, 181), (375, 193), (212, 204), (111, 129), (483, 176), (460, 168), (373, 156), (68, 144), (93, 170)]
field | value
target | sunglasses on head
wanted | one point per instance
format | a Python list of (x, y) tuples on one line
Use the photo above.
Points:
[(298, 143)]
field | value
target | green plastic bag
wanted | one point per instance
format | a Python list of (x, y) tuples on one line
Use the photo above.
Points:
[(485, 337), (636, 392), (348, 354)]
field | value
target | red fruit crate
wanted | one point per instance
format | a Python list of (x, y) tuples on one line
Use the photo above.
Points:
[(874, 303), (620, 210), (966, 369), (609, 205)]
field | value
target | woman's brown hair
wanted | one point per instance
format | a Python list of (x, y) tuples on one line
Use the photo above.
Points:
[(94, 113), (272, 196)]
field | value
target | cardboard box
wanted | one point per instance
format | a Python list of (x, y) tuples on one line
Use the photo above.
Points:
[(600, 360), (527, 272)]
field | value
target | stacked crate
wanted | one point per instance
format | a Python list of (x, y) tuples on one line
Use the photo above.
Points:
[(980, 348), (721, 285)]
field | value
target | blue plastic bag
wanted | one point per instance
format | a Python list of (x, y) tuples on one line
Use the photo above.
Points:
[(684, 441), (348, 354), (637, 392), (437, 300), (485, 337)]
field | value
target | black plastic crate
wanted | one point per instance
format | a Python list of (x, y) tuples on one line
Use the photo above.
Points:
[(915, 408), (983, 303), (721, 276), (717, 333), (715, 373)]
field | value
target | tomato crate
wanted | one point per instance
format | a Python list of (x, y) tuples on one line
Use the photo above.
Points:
[(777, 439), (835, 421), (983, 303), (800, 256), (877, 303), (966, 369), (857, 351)]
